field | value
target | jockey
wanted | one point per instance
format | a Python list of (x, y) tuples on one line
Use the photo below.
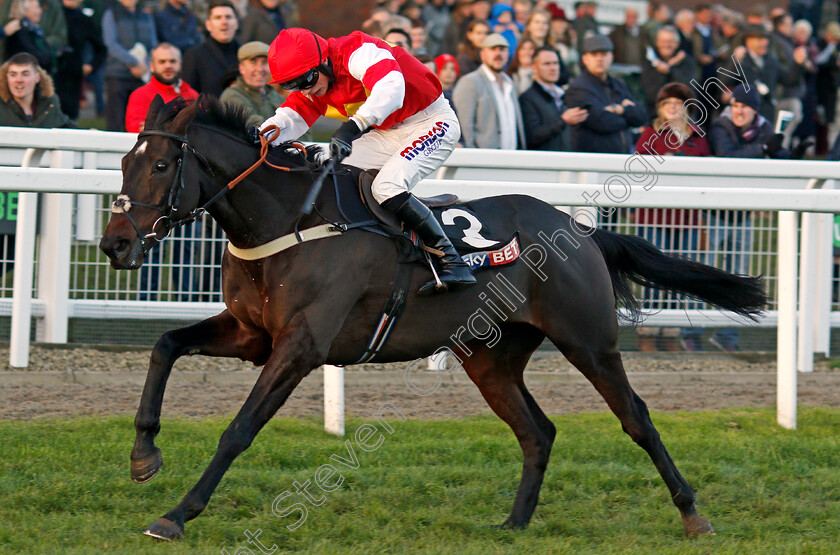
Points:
[(395, 120)]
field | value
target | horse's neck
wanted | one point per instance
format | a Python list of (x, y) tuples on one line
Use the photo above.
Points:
[(258, 210)]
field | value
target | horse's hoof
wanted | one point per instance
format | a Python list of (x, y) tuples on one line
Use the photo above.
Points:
[(510, 525), (165, 529), (696, 525), (143, 470)]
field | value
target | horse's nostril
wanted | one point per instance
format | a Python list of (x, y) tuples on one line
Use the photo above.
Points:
[(120, 246)]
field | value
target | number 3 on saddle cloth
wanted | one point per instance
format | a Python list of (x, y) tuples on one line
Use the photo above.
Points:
[(470, 236)]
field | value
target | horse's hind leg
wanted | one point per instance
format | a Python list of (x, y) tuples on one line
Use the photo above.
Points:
[(222, 336), (606, 372), (497, 372)]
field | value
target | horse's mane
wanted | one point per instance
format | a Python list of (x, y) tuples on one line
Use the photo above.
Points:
[(230, 119)]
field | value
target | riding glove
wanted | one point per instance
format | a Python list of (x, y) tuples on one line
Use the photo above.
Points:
[(341, 143), (254, 134)]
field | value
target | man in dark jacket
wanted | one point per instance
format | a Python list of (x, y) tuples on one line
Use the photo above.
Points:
[(206, 64), (26, 100), (584, 22), (27, 97), (612, 110), (792, 58), (125, 26), (665, 63), (742, 132), (263, 21), (627, 39), (761, 69), (83, 37), (544, 113), (177, 25)]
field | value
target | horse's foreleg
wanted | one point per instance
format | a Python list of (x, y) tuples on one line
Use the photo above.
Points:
[(294, 356), (222, 336)]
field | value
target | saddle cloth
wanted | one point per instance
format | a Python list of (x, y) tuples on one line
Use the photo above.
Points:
[(480, 245)]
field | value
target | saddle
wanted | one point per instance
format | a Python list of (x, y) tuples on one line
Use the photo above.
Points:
[(366, 178), (359, 209)]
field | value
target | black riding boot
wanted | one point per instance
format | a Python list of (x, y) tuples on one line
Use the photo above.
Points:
[(453, 272)]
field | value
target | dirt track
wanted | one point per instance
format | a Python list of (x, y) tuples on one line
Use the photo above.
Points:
[(73, 382)]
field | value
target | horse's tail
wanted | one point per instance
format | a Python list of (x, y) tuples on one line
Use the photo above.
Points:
[(631, 258)]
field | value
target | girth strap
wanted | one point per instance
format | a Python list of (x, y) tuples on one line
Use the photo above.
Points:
[(391, 313), (282, 243)]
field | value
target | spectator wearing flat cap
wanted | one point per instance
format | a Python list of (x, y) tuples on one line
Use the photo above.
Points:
[(760, 69), (612, 110), (486, 101), (251, 90)]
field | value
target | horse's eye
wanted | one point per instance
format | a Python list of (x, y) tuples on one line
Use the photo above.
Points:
[(160, 167)]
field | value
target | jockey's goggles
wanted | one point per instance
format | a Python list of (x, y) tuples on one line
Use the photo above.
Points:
[(305, 81)]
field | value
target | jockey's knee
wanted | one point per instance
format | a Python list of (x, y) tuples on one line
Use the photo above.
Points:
[(384, 190)]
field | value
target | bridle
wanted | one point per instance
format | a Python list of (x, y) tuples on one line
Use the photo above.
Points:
[(171, 217)]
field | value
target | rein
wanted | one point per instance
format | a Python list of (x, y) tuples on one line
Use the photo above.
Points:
[(170, 219)]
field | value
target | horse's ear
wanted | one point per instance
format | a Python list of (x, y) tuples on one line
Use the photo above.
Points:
[(184, 117), (154, 108)]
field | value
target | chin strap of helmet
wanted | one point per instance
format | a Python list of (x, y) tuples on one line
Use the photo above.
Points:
[(324, 67)]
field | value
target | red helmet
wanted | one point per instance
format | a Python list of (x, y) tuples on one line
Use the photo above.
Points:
[(294, 52)]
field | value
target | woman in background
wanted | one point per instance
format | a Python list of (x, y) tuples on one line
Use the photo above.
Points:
[(468, 57), (520, 65), (670, 229), (29, 37)]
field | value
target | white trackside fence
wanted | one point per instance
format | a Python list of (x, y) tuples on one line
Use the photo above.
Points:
[(66, 179)]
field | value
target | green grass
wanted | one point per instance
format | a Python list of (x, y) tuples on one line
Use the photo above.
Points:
[(432, 487)]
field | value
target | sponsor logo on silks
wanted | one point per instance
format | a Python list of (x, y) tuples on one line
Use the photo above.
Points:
[(426, 144), (498, 257)]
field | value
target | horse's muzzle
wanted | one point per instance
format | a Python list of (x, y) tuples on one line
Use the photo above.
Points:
[(124, 253)]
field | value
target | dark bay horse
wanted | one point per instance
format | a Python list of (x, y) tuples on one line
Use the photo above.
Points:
[(319, 301)]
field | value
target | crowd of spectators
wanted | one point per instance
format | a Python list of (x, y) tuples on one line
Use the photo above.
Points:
[(520, 74), (789, 56)]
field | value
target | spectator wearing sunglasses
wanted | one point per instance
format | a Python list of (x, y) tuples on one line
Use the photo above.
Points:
[(396, 120)]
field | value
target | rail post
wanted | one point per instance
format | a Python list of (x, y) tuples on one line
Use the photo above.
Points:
[(786, 331), (24, 268), (54, 256), (334, 399)]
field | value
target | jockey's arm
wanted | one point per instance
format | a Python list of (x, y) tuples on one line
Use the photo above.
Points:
[(289, 122), (381, 75)]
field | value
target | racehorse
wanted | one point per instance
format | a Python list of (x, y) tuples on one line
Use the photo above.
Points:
[(319, 301)]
